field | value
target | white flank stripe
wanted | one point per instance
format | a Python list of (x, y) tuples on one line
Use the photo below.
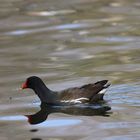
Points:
[(78, 100)]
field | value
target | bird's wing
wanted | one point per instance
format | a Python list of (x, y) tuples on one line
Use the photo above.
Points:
[(83, 92)]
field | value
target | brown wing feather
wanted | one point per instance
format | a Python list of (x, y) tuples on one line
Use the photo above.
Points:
[(72, 93), (86, 91)]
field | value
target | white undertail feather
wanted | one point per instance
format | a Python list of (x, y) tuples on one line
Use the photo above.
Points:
[(102, 91), (105, 89)]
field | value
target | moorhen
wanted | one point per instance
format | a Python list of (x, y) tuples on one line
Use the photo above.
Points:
[(90, 93)]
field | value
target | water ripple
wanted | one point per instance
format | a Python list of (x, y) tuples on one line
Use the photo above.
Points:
[(50, 13), (122, 68), (68, 26), (114, 125)]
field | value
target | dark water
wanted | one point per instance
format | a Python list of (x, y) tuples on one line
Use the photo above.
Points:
[(70, 43)]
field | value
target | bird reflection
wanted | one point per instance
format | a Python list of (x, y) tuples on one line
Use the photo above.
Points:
[(79, 109)]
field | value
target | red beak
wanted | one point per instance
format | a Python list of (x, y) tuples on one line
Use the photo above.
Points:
[(24, 85)]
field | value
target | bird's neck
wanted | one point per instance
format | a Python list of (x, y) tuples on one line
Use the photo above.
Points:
[(45, 94)]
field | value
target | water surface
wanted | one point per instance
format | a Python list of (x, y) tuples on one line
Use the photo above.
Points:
[(70, 43)]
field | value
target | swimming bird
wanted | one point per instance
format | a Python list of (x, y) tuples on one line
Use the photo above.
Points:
[(89, 93)]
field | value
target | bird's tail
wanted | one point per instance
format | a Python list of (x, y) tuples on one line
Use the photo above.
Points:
[(99, 96)]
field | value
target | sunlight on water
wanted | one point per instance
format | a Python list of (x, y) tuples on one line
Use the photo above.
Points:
[(48, 123), (58, 123), (51, 13), (19, 32), (12, 118)]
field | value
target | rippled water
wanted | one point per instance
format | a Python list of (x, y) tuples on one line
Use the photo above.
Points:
[(70, 43)]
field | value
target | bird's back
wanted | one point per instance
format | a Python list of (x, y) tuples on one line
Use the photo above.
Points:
[(86, 93)]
